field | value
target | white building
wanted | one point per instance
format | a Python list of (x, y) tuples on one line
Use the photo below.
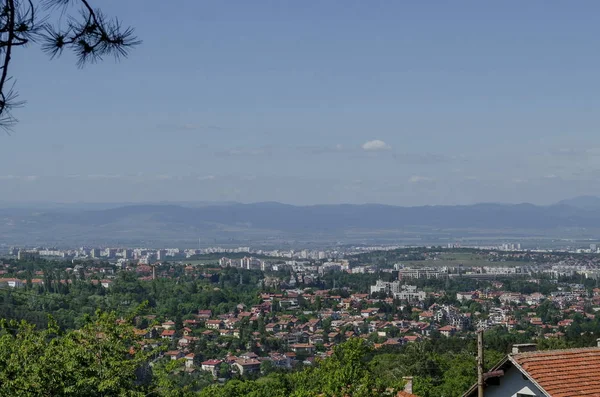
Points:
[(399, 291)]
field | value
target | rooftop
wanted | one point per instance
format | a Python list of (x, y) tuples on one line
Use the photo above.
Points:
[(563, 373)]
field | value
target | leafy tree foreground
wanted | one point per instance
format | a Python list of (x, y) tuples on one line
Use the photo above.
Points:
[(100, 359), (104, 358)]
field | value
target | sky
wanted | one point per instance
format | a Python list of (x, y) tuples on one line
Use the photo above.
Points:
[(305, 102)]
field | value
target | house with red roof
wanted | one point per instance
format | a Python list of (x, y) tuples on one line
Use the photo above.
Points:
[(214, 324), (168, 325), (174, 354), (168, 334), (303, 348), (212, 366), (247, 365), (189, 360), (447, 330), (549, 373)]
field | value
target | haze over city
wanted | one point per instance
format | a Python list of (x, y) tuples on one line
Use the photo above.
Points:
[(304, 103)]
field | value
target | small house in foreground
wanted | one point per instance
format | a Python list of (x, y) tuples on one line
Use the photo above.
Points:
[(550, 373)]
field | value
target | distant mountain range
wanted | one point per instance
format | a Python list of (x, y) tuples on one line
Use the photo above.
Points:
[(235, 223), (591, 203)]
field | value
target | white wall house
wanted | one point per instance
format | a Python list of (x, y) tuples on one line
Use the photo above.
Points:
[(550, 373)]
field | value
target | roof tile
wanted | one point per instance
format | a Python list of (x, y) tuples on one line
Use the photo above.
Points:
[(564, 373)]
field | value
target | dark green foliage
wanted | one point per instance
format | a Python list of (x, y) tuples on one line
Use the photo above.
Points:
[(101, 358)]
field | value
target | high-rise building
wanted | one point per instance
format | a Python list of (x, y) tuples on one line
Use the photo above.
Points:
[(23, 255), (161, 255)]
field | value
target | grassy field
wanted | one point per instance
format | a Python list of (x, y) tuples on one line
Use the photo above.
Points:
[(465, 258)]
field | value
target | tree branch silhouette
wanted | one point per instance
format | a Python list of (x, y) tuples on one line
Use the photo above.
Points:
[(89, 34)]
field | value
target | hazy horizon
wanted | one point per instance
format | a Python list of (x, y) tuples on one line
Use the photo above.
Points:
[(33, 204), (394, 103)]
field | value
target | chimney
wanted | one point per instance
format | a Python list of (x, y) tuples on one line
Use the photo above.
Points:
[(409, 383), (524, 348)]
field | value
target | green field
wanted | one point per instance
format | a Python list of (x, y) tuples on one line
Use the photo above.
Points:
[(467, 259)]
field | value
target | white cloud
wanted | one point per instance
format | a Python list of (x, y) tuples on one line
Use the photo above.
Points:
[(375, 145), (30, 178), (207, 178), (420, 179), (163, 177)]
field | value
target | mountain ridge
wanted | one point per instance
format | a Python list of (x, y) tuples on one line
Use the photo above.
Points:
[(170, 222)]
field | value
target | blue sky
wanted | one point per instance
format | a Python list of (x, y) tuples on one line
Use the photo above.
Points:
[(308, 102)]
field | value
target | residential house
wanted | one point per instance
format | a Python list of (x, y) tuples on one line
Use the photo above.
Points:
[(316, 339), (214, 324), (549, 373), (168, 325), (466, 296), (412, 338), (370, 312), (187, 341), (447, 330), (245, 366), (535, 298), (189, 360), (314, 324), (426, 316), (191, 323), (225, 332), (511, 297), (212, 366), (280, 360), (303, 348), (174, 354), (12, 282), (106, 283), (565, 323), (168, 334)]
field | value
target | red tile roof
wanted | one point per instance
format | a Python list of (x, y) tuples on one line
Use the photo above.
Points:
[(564, 373), (212, 362)]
